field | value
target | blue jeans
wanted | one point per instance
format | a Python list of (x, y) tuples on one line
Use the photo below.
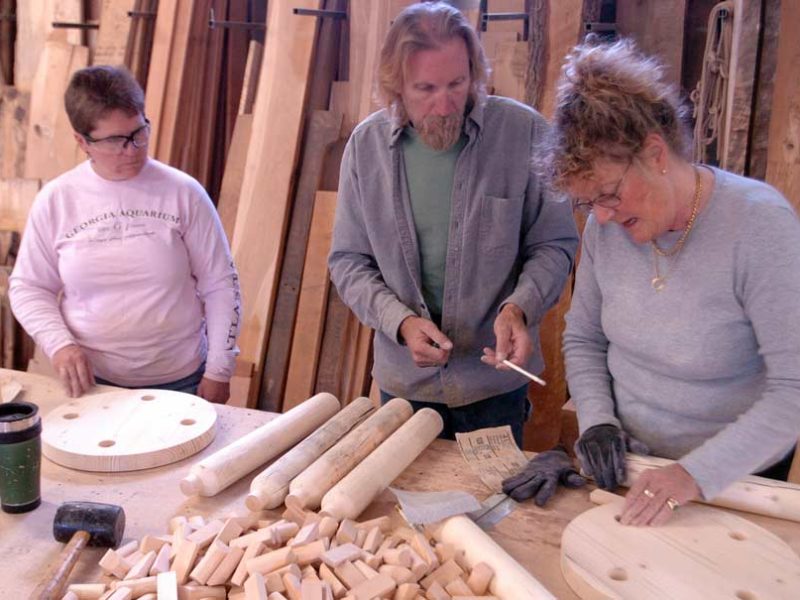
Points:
[(187, 385), (511, 408)]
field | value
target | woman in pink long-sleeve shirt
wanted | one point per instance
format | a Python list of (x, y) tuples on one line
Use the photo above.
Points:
[(125, 275)]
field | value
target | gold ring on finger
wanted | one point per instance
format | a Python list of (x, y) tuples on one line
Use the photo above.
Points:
[(673, 504), (648, 493)]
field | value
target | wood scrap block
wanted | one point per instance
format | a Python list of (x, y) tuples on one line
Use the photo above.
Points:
[(365, 569), (372, 560), (327, 575), (311, 589), (398, 573), (310, 553), (382, 523), (443, 575), (480, 578), (151, 543), (128, 548), (436, 592), (87, 591), (201, 592), (176, 523), (271, 561), (141, 568), (379, 586), (122, 593), (458, 587), (293, 586), (328, 527), (167, 585), (226, 567), (230, 530), (276, 596), (213, 557), (349, 575), (308, 533), (240, 573), (185, 559), (347, 532), (373, 540), (205, 533), (143, 585), (114, 564), (343, 553), (406, 591), (255, 587), (161, 563)]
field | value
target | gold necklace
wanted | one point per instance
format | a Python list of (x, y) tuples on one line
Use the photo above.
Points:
[(659, 282)]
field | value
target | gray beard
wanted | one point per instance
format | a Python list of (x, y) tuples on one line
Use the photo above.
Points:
[(440, 133)]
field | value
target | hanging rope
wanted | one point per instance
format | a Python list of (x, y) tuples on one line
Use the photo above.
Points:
[(710, 95)]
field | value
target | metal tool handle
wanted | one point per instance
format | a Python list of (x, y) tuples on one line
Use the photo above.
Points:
[(52, 584)]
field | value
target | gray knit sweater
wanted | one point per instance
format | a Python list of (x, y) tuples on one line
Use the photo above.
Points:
[(706, 371)]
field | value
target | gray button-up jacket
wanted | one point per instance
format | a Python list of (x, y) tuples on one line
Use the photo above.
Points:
[(509, 241)]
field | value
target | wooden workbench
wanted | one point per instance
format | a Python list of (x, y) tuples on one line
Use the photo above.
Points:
[(151, 497)]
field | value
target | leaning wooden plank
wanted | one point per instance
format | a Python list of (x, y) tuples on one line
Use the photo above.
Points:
[(331, 358), (509, 68), (310, 322), (783, 158), (564, 27), (114, 32), (6, 42), (231, 188), (34, 27), (252, 69), (216, 472), (267, 187), (16, 198), (50, 146), (322, 131), (14, 108), (746, 26)]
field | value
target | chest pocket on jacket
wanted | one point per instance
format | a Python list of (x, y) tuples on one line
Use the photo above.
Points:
[(500, 224)]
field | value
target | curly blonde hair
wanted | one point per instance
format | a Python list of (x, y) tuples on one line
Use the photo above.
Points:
[(426, 26), (610, 98)]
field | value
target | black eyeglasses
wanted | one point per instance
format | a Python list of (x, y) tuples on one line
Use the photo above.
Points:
[(116, 144), (611, 200)]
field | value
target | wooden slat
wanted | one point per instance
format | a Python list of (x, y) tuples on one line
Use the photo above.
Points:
[(234, 173), (657, 28), (307, 338), (764, 87), (564, 28), (783, 158), (255, 55), (746, 25), (114, 32), (322, 131), (140, 42), (333, 354), (50, 146), (510, 66), (14, 108), (267, 188), (16, 198)]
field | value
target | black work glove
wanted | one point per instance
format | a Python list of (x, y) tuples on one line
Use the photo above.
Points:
[(540, 477), (601, 450)]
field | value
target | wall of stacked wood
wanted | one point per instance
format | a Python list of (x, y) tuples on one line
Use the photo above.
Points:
[(260, 116)]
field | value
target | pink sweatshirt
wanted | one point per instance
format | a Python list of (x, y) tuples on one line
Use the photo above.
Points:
[(138, 273)]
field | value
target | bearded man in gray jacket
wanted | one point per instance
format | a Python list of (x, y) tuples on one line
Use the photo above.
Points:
[(445, 242)]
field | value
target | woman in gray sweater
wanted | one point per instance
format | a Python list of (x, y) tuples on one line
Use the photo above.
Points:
[(684, 329)]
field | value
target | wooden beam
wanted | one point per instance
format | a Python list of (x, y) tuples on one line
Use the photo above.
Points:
[(746, 26), (564, 30), (255, 55), (234, 173), (267, 187), (310, 324), (7, 33), (783, 158), (50, 146), (14, 109), (323, 130)]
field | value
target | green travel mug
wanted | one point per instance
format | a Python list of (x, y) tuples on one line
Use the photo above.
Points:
[(20, 456)]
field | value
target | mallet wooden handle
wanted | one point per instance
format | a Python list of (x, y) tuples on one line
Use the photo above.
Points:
[(52, 584)]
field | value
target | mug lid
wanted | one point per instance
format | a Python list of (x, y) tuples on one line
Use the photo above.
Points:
[(18, 416)]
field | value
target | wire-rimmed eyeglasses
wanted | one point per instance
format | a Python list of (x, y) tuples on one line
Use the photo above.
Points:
[(116, 144), (610, 200)]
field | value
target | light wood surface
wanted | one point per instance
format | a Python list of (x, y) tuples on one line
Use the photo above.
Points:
[(14, 107), (703, 553), (150, 498), (127, 430)]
